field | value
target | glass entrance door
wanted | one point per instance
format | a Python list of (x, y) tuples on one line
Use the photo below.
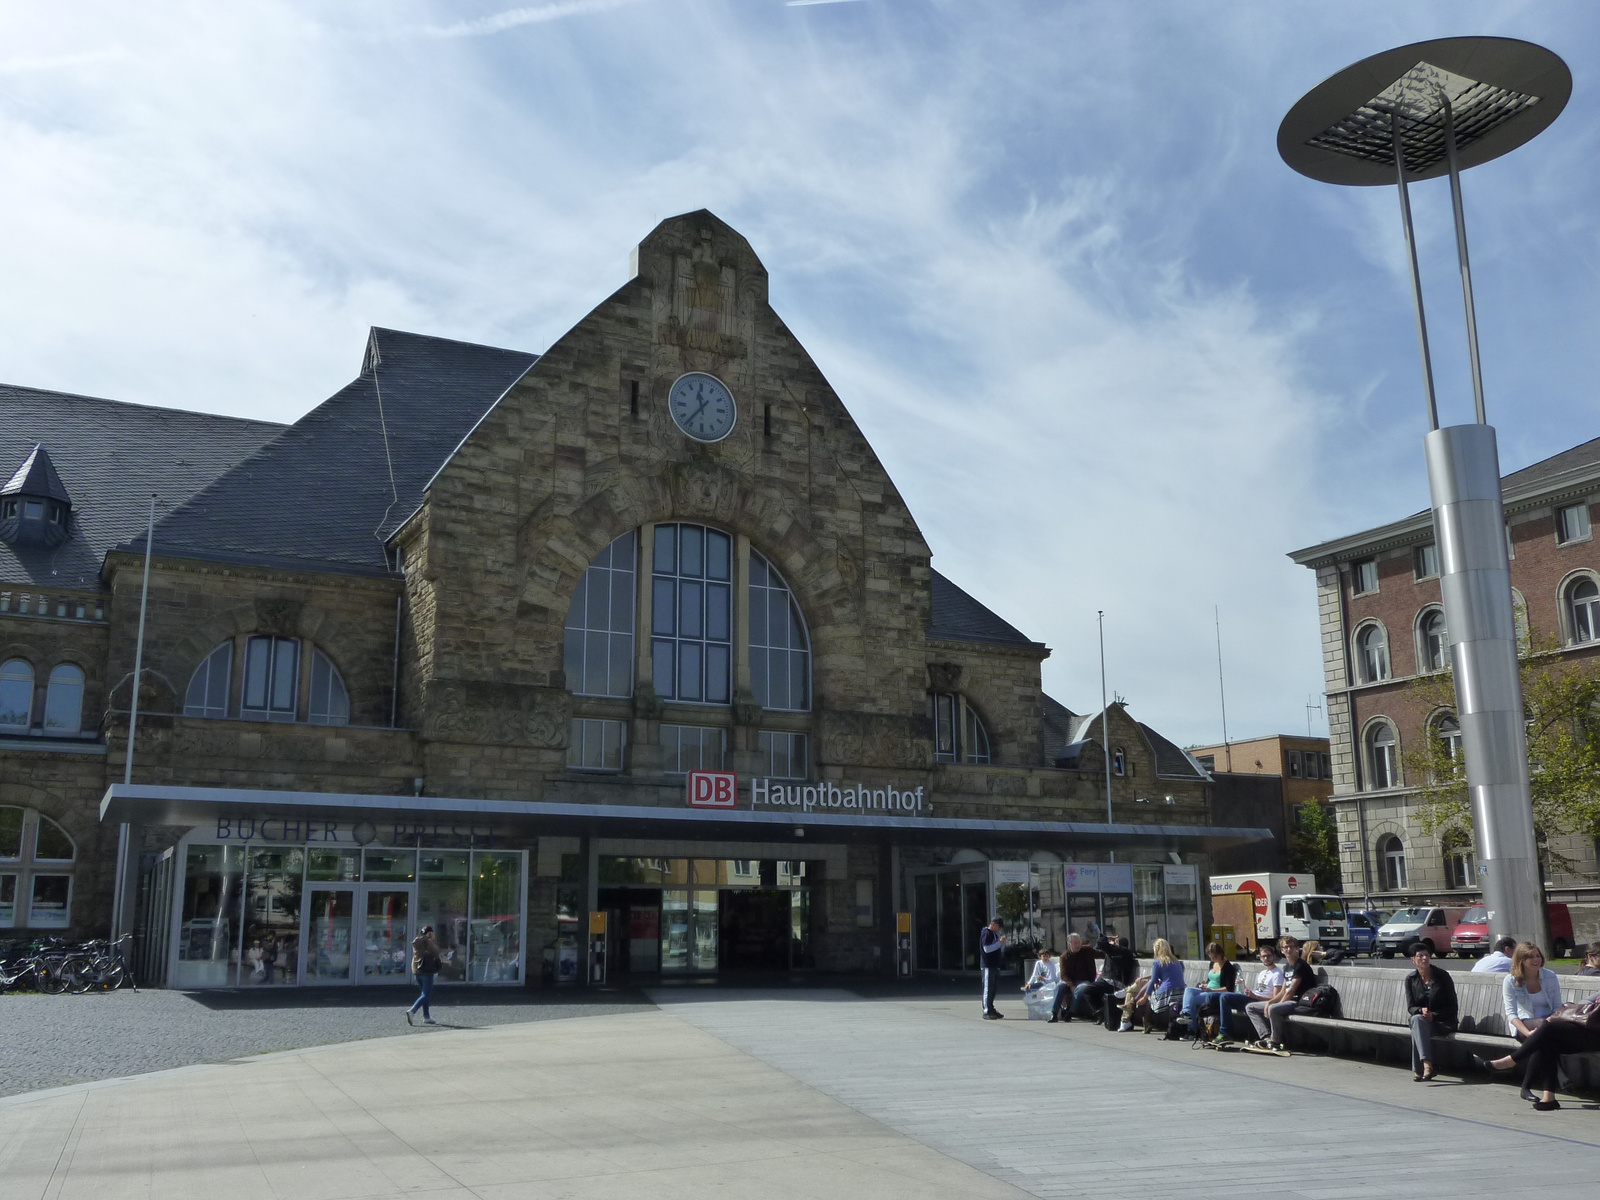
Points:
[(386, 934), (330, 934), (357, 933)]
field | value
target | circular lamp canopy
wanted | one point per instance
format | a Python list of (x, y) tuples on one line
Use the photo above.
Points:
[(1501, 91)]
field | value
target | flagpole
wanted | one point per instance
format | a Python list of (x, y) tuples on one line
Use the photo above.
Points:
[(124, 831)]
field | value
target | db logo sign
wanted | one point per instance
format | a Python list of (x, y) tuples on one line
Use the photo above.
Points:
[(713, 789)]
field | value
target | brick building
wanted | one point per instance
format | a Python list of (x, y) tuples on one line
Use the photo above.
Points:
[(447, 648), (1383, 632), (1303, 771)]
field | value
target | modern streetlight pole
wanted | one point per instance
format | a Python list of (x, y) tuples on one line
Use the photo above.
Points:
[(1414, 113)]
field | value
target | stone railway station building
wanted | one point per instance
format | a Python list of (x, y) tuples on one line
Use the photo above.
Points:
[(1383, 635), (447, 649)]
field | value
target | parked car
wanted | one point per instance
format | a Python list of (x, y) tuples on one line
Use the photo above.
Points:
[(1428, 923), (1471, 938), (1364, 926)]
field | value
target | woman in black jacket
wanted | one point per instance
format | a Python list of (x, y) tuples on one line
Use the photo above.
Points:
[(1431, 997)]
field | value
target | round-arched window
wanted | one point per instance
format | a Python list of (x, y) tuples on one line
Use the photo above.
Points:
[(1460, 863), (1432, 641), (1448, 730), (1382, 757), (16, 695), (1372, 654), (63, 700), (1583, 610), (1392, 863)]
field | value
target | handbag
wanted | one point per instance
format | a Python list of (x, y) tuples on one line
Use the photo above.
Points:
[(1580, 1012)]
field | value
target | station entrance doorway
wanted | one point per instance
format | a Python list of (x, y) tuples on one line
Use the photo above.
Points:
[(700, 916)]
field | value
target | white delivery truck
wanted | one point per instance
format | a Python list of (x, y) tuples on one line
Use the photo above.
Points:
[(1281, 905)]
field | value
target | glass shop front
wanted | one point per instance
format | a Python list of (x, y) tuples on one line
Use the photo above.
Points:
[(1039, 904), (272, 915)]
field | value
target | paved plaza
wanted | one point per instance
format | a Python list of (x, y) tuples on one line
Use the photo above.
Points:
[(783, 1093)]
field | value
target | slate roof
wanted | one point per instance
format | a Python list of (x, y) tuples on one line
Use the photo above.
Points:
[(1170, 758), (956, 616), (37, 477), (1585, 454), (109, 457), (319, 496), (1057, 720)]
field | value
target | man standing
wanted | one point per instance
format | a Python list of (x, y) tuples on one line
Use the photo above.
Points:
[(1498, 960), (1077, 972), (992, 956)]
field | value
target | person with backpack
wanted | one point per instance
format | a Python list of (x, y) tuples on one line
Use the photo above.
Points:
[(425, 967), (1269, 1016), (1431, 999)]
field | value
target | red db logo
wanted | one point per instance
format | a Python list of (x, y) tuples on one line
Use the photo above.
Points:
[(713, 789)]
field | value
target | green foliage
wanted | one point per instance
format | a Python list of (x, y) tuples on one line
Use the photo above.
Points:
[(1011, 902), (1562, 702), (1313, 848)]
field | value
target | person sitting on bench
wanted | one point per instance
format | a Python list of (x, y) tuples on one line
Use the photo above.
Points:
[(1542, 1053), (1219, 979), (1269, 1016), (1266, 984), (1165, 990), (1431, 999), (1121, 969), (1077, 970)]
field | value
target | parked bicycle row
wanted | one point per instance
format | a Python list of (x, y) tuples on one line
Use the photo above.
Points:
[(54, 966)]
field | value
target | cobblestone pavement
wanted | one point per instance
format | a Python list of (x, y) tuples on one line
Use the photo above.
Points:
[(50, 1041)]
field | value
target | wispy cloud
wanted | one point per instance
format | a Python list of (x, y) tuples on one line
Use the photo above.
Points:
[(533, 14), (1114, 354)]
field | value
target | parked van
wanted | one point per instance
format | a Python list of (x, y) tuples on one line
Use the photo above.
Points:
[(1471, 937), (1364, 927), (1411, 925)]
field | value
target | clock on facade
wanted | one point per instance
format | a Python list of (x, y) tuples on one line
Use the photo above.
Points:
[(702, 406)]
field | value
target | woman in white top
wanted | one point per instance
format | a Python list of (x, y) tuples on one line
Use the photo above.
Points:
[(1531, 991)]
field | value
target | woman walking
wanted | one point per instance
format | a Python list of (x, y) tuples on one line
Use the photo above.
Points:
[(425, 966)]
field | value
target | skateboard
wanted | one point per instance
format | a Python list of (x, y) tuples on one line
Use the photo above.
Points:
[(1249, 1049)]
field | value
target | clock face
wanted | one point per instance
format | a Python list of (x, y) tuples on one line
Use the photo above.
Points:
[(702, 407)]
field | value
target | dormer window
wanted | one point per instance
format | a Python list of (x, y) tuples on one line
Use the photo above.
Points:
[(34, 506)]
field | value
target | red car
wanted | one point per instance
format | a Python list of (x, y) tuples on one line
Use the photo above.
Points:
[(1470, 939)]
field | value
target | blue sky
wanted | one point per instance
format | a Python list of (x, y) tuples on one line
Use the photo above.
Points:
[(1114, 353)]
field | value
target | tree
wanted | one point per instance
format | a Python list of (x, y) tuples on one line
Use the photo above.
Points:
[(1562, 703), (1313, 847)]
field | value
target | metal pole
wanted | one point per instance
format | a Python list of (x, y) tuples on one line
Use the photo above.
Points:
[(124, 831), (1105, 712), (1461, 257), (1416, 274), (1475, 584), (1227, 750)]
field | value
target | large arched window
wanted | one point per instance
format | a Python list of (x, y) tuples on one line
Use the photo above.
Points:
[(16, 695), (780, 652), (1392, 863), (270, 689), (36, 857), (1372, 654), (1460, 863), (691, 614), (208, 686), (63, 700), (1382, 757), (599, 648), (1433, 642), (958, 732), (1583, 609)]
